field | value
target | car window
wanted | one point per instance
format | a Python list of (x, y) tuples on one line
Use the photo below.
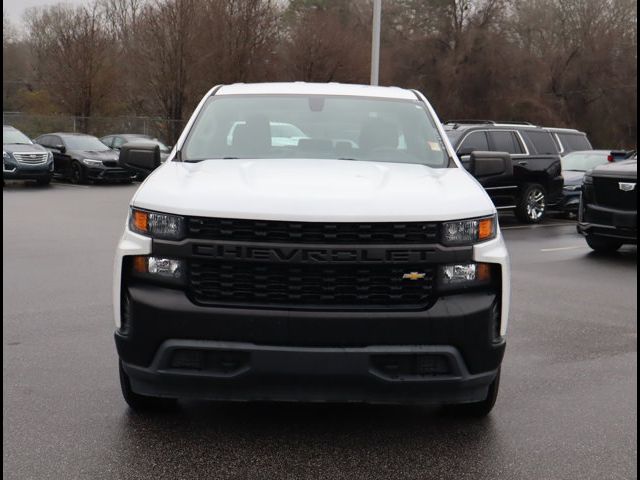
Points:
[(505, 141), (574, 142), (583, 161), (475, 141), (14, 136), (355, 128), (108, 141), (118, 142), (542, 142), (84, 142)]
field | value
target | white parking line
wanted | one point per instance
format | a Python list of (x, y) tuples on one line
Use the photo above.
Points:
[(562, 248), (67, 185)]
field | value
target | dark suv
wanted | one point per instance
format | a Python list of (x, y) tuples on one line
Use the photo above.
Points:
[(537, 181), (608, 214)]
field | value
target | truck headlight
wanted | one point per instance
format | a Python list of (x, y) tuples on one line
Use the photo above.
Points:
[(165, 269), (467, 232), (157, 225), (464, 275), (92, 163)]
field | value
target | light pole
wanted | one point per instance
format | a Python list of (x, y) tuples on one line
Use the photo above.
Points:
[(375, 42)]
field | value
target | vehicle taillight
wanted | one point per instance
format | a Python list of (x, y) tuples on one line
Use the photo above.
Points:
[(610, 158)]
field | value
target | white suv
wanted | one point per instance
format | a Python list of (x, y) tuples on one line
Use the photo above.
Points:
[(349, 265)]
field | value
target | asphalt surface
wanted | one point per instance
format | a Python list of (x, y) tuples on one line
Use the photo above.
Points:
[(566, 409)]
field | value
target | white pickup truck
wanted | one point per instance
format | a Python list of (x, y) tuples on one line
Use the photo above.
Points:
[(361, 263)]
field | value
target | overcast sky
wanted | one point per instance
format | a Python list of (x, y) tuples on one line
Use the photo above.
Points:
[(15, 8)]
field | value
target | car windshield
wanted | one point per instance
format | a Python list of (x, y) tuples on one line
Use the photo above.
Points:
[(583, 161), (11, 136), (84, 142), (302, 126)]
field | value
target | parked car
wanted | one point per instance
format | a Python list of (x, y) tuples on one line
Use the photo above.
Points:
[(258, 272), (574, 167), (608, 215), (116, 141), (24, 160), (537, 180), (569, 140), (82, 158)]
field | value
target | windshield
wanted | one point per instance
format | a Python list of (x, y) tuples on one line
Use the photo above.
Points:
[(84, 142), (15, 137), (583, 161), (332, 127)]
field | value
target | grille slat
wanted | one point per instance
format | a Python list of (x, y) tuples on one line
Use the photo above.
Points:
[(241, 230), (31, 158), (321, 287), (608, 194)]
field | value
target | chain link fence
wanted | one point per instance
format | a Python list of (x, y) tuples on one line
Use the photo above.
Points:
[(34, 125)]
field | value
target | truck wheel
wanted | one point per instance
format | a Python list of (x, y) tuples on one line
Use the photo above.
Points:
[(603, 245), (78, 175), (141, 403), (477, 409), (532, 205), (43, 181)]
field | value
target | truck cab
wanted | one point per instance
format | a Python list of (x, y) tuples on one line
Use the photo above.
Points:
[(361, 263)]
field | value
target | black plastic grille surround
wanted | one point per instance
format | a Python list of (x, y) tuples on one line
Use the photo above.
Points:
[(269, 231), (608, 194), (373, 287)]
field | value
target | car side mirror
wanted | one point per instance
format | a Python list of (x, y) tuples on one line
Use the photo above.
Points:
[(61, 148), (490, 164), (465, 151), (141, 157)]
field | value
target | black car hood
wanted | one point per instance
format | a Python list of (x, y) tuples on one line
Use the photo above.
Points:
[(625, 169), (93, 154), (18, 147)]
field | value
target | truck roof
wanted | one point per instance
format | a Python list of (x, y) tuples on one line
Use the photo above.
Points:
[(304, 88)]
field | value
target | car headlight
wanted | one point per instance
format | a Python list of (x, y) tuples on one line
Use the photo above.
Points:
[(157, 225), (572, 188), (92, 163), (5, 155), (467, 232), (463, 275), (587, 180), (49, 156), (169, 270)]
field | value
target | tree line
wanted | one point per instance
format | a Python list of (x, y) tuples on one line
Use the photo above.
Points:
[(563, 63)]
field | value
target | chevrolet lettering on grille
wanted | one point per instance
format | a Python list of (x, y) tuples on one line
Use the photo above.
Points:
[(314, 255)]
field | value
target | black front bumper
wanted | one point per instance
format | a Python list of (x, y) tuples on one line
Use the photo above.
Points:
[(17, 171), (607, 222), (110, 174), (446, 354)]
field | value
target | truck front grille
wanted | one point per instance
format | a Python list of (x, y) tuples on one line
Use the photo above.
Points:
[(382, 233), (370, 287), (608, 194), (33, 158)]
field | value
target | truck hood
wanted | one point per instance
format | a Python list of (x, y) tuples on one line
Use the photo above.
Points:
[(313, 190), (624, 169)]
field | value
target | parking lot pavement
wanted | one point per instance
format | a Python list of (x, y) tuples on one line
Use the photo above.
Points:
[(566, 410)]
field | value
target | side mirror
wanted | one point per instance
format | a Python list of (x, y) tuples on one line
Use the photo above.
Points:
[(61, 148), (465, 151), (490, 164), (141, 157)]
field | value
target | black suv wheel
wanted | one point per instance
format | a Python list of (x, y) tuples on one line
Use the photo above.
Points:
[(532, 205), (603, 245)]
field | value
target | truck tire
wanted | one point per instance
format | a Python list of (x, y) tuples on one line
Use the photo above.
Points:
[(603, 245), (142, 403), (532, 205), (477, 409)]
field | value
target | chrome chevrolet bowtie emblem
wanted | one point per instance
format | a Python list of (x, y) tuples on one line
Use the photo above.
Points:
[(414, 276), (627, 186)]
